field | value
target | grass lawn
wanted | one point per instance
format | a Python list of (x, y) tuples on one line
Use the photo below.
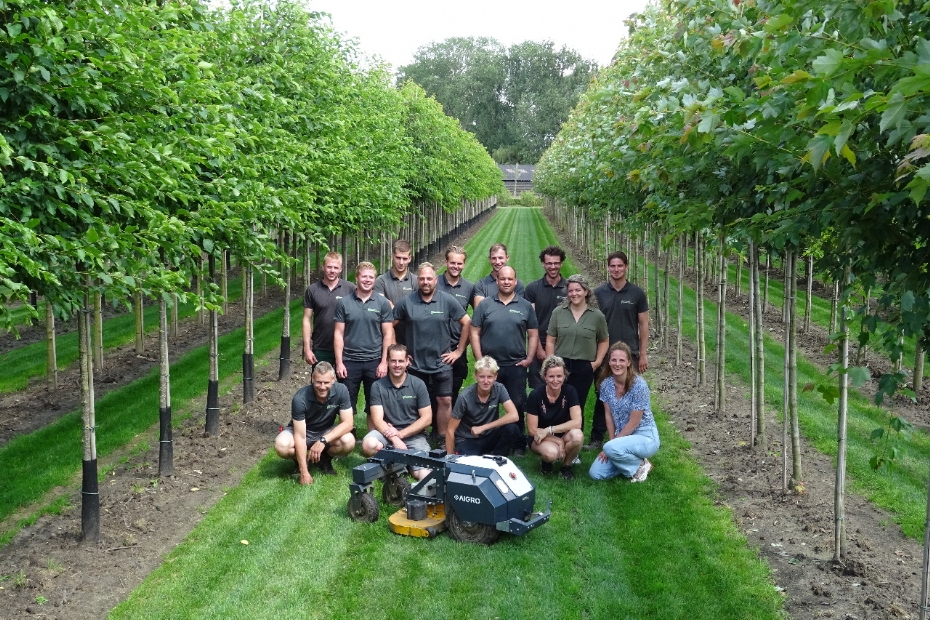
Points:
[(611, 550)]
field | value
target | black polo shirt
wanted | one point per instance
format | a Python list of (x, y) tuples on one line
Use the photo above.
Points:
[(464, 293), (621, 309), (503, 328), (552, 413), (427, 328), (487, 286), (323, 301), (319, 417), (472, 412), (362, 337), (545, 298), (401, 404)]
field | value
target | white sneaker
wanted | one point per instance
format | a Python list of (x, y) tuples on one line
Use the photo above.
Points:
[(577, 461), (642, 472)]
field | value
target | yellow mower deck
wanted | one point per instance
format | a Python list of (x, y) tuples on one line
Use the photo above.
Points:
[(430, 527)]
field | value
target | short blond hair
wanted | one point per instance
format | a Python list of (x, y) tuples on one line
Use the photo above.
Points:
[(486, 364)]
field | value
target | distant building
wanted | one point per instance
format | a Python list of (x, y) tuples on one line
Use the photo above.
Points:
[(517, 178)]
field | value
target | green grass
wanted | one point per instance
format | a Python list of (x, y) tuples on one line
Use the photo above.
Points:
[(900, 489), (30, 361), (35, 463), (611, 550), (660, 550)]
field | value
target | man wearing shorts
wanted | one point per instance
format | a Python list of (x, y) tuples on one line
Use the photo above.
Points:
[(426, 314), (313, 433), (400, 410)]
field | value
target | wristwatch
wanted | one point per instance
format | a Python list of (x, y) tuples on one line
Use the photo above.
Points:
[(323, 440)]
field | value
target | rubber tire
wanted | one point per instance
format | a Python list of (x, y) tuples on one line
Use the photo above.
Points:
[(468, 531), (363, 508), (394, 490)]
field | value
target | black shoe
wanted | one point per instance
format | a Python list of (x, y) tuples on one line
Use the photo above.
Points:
[(545, 467), (594, 444), (566, 473), (326, 464), (519, 452)]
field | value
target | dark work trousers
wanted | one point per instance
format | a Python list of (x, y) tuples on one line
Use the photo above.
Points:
[(535, 378), (514, 379), (459, 374), (599, 423), (580, 377), (358, 374), (498, 441)]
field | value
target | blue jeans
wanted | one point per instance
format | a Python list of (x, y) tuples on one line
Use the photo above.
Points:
[(626, 454)]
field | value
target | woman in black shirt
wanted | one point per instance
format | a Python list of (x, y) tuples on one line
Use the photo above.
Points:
[(553, 419)]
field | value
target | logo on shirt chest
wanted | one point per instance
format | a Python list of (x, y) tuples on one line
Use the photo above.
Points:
[(515, 312), (372, 310), (436, 312)]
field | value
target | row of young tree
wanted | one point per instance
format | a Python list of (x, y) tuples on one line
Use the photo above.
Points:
[(142, 143), (770, 128)]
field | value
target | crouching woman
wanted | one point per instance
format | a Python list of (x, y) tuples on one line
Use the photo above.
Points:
[(630, 425)]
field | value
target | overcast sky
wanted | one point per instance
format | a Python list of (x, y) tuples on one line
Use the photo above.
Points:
[(394, 29)]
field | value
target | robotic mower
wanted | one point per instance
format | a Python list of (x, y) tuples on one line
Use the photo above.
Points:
[(475, 497)]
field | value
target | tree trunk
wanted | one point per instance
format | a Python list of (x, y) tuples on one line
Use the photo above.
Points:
[(51, 356), (834, 302), (786, 417), (90, 491), (808, 303), (284, 368), (224, 282), (699, 266), (924, 605), (765, 293), (796, 472), (140, 321), (682, 261), (738, 289), (98, 331), (721, 394), (839, 495), (175, 323), (213, 399), (919, 358), (759, 366), (165, 444), (665, 291), (753, 358), (248, 361)]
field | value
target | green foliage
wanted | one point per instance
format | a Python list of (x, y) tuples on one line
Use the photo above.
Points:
[(513, 100), (794, 125)]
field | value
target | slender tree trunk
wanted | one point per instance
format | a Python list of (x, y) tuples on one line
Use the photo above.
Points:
[(834, 302), (738, 289), (753, 358), (224, 282), (682, 261), (201, 310), (785, 286), (140, 318), (759, 366), (51, 356), (699, 266), (808, 302), (786, 416), (248, 358), (919, 359), (165, 444), (90, 491), (796, 472), (765, 293), (721, 394), (839, 495), (175, 323), (98, 331), (284, 368), (665, 291), (925, 571), (213, 385)]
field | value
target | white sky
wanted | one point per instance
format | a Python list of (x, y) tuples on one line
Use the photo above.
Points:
[(394, 29)]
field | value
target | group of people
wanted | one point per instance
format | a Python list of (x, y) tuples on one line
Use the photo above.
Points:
[(401, 338)]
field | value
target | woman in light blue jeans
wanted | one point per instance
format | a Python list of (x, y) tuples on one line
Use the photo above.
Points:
[(629, 421)]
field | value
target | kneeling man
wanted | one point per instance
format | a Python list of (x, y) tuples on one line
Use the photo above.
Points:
[(400, 410), (475, 427), (313, 433)]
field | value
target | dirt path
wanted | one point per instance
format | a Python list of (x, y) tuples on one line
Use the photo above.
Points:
[(46, 573)]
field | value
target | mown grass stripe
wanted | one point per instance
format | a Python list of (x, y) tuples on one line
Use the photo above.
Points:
[(35, 463)]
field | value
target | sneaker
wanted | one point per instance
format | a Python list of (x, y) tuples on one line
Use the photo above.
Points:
[(545, 468), (567, 473), (642, 472), (519, 452), (576, 460), (326, 464), (594, 444)]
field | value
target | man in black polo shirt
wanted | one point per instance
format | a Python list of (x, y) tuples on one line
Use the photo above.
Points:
[(313, 433), (364, 329), (320, 301), (400, 410), (427, 315), (627, 312), (397, 282), (453, 283), (545, 294), (487, 286), (504, 326), (476, 426)]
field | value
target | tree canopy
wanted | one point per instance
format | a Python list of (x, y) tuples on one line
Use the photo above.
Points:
[(514, 100)]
